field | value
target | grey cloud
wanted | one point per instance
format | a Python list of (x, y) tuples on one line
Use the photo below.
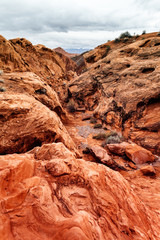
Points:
[(40, 18)]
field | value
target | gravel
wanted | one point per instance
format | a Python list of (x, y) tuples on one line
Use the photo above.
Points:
[(85, 131)]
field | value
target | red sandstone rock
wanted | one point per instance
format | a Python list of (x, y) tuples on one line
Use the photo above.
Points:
[(30, 84), (20, 55), (123, 89), (148, 170), (48, 193), (26, 123), (138, 154), (91, 202), (117, 148), (105, 49), (101, 155), (134, 152), (51, 151)]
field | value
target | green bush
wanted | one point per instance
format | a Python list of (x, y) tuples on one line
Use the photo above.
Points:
[(112, 137), (110, 140), (125, 35), (108, 47), (117, 40), (125, 40), (104, 135)]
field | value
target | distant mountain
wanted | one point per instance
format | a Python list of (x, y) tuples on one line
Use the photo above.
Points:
[(77, 50)]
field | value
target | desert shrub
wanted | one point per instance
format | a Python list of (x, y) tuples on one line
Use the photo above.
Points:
[(93, 120), (125, 39), (136, 36), (111, 139), (108, 47), (71, 106), (125, 35), (98, 125), (144, 32), (111, 133), (2, 89), (100, 136), (117, 40)]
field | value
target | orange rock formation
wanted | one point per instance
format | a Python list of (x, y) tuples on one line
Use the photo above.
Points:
[(60, 181), (123, 89)]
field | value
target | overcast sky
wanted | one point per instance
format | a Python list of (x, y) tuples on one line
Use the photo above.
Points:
[(76, 24)]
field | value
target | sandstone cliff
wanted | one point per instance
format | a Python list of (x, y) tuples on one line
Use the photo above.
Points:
[(123, 90), (19, 55), (77, 160)]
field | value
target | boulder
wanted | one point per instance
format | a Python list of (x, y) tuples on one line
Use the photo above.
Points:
[(138, 154), (135, 153), (102, 156), (26, 123), (148, 170)]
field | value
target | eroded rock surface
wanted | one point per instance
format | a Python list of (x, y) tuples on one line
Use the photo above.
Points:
[(20, 55), (66, 198), (30, 84), (123, 89), (135, 153), (31, 114), (26, 123), (47, 189)]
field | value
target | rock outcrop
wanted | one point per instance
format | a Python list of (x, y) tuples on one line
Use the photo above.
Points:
[(30, 114), (135, 153), (108, 188), (123, 90), (30, 84), (60, 197), (25, 123), (19, 55)]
